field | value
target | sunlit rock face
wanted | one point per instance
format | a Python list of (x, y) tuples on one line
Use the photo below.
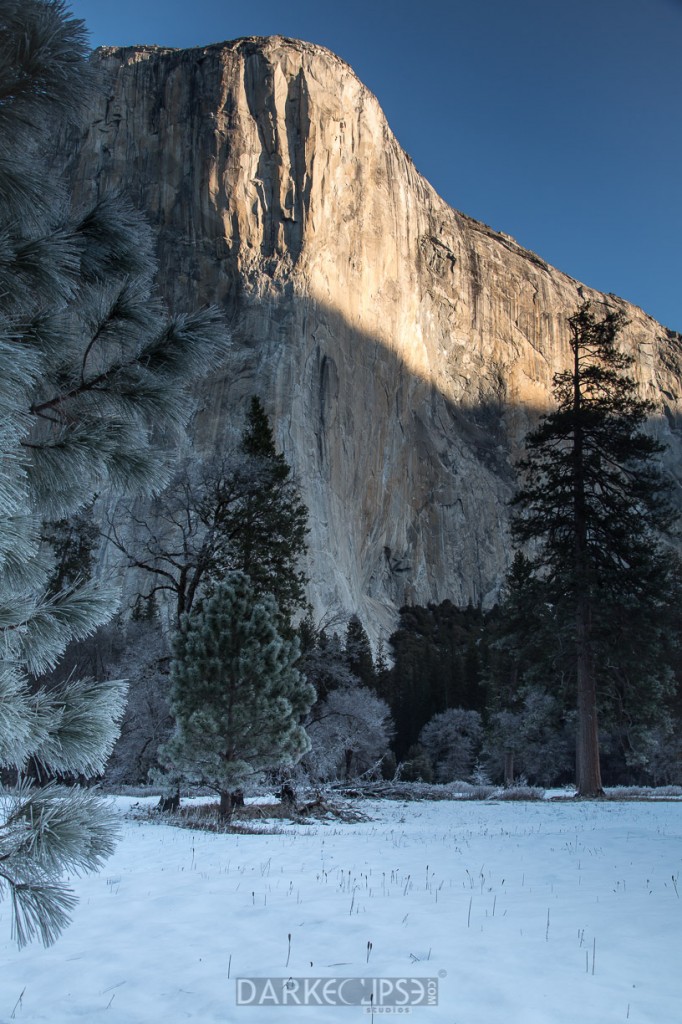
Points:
[(401, 348)]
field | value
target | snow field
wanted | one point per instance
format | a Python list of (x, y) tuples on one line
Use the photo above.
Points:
[(528, 913)]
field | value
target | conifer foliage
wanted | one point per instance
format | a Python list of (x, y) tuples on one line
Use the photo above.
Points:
[(273, 521), (237, 698), (90, 367), (595, 503), (359, 652), (437, 652)]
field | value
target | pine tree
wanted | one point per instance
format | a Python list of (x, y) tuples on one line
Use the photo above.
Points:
[(526, 662), (90, 370), (525, 642), (382, 671), (436, 666), (273, 521), (237, 698), (359, 652), (323, 660), (595, 504)]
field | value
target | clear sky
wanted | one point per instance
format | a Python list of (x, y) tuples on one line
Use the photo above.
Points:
[(556, 121)]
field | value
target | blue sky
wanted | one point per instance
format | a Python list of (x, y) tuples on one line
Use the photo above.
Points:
[(556, 121)]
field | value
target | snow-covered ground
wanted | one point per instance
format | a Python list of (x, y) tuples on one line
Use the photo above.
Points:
[(526, 913)]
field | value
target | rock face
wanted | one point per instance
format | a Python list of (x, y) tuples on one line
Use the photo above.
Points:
[(401, 348)]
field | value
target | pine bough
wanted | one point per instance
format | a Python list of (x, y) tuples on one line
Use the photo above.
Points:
[(91, 370)]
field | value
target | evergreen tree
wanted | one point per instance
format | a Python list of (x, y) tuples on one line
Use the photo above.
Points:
[(90, 369), (237, 698), (437, 665), (515, 632), (323, 660), (240, 512), (594, 503), (74, 542), (382, 672), (359, 653), (273, 521), (526, 660), (525, 643)]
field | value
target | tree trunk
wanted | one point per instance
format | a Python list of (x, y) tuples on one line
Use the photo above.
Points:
[(509, 767), (287, 795), (226, 804), (588, 769), (169, 803)]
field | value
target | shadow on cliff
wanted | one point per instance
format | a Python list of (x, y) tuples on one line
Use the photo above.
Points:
[(333, 361), (355, 418), (354, 382)]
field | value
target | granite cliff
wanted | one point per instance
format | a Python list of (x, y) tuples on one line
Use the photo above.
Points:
[(401, 348)]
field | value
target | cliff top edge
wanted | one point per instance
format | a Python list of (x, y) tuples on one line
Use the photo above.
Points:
[(241, 43)]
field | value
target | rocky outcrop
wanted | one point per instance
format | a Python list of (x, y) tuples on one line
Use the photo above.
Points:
[(401, 348)]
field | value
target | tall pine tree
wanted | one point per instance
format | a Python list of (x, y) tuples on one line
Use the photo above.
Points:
[(273, 520), (595, 503), (359, 652)]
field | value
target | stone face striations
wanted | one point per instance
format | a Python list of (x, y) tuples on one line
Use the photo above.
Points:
[(401, 348)]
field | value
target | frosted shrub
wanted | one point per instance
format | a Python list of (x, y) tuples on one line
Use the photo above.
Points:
[(451, 741), (349, 732)]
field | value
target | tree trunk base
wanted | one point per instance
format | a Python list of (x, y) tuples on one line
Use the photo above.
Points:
[(509, 767), (169, 804)]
